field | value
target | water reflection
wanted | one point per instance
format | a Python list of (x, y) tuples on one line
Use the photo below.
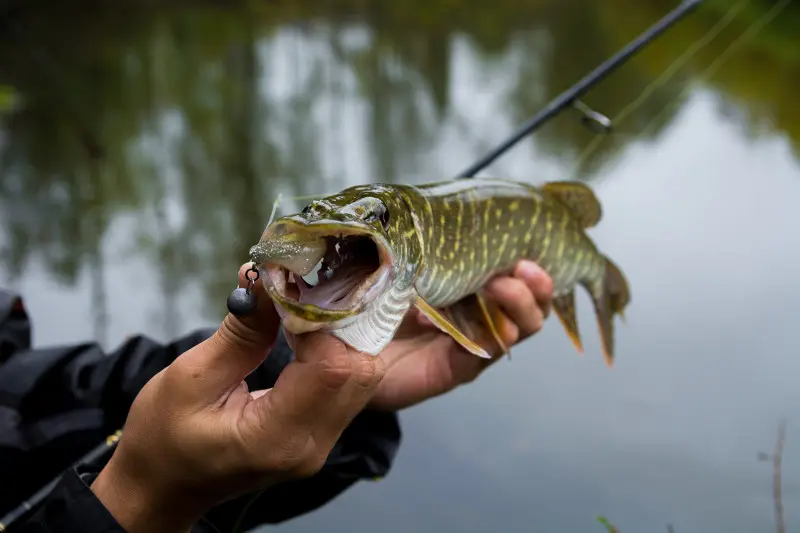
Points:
[(144, 150)]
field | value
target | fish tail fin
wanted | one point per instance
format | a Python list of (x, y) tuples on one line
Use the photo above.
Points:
[(610, 297)]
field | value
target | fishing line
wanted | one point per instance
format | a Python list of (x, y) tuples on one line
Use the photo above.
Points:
[(665, 76), (705, 74), (573, 94), (280, 198), (274, 208), (715, 65)]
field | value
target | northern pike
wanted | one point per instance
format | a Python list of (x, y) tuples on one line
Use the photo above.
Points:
[(382, 249)]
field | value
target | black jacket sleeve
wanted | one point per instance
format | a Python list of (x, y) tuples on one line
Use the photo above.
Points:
[(57, 404)]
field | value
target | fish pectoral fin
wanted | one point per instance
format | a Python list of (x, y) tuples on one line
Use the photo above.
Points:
[(441, 322), (564, 307), (579, 199)]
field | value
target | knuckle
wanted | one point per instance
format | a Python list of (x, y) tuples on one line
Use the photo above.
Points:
[(293, 458), (493, 285), (285, 464), (175, 372), (369, 371), (536, 323), (306, 464), (516, 293), (336, 370), (546, 287), (235, 334), (508, 287)]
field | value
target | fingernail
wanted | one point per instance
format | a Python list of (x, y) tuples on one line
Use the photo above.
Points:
[(528, 270)]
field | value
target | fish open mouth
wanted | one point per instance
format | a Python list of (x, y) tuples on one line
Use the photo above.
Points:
[(331, 273)]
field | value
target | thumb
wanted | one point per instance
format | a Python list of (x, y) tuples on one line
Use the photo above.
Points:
[(238, 347)]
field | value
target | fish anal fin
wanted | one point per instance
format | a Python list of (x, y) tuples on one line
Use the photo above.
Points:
[(492, 316), (564, 307), (481, 319), (444, 324), (579, 199)]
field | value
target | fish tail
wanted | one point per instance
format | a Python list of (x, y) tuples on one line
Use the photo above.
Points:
[(610, 297)]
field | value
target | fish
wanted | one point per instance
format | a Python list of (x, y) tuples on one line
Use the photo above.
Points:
[(380, 249)]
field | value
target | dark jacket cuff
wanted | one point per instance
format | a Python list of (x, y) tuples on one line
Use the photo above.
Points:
[(72, 507)]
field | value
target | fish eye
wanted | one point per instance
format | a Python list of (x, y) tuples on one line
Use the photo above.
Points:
[(379, 212)]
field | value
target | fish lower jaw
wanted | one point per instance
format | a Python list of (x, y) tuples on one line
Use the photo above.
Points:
[(297, 325)]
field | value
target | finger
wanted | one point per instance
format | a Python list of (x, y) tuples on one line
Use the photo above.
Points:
[(539, 283), (413, 324), (434, 367), (256, 394), (238, 347), (319, 392), (518, 304)]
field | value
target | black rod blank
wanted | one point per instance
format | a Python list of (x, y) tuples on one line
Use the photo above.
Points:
[(568, 97)]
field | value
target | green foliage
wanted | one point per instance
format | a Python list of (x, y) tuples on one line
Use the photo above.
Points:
[(609, 528), (9, 98)]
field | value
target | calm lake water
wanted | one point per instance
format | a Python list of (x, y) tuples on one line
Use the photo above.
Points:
[(141, 153)]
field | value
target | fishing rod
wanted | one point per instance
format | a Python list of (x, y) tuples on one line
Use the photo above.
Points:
[(592, 119)]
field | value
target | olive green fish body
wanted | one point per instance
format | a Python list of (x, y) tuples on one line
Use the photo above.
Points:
[(438, 244), (473, 230)]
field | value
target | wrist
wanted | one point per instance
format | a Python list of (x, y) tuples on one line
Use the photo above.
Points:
[(140, 507)]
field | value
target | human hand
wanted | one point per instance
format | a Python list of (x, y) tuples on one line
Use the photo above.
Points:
[(423, 362), (195, 436)]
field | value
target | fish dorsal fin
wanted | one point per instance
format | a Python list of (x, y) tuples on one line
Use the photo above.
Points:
[(579, 198)]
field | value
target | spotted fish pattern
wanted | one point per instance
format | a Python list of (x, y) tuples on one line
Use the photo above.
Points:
[(473, 230), (449, 238)]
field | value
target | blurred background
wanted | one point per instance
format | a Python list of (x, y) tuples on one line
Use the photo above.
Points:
[(142, 148)]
